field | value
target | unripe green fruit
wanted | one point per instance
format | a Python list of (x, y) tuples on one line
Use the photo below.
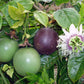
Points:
[(8, 48), (26, 60)]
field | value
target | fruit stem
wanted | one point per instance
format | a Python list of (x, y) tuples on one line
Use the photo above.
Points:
[(3, 76)]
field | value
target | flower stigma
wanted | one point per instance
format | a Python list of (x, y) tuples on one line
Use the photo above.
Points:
[(76, 43)]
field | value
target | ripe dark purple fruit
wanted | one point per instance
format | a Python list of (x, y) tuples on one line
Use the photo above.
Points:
[(45, 41)]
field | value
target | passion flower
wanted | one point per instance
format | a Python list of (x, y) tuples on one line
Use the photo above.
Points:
[(72, 41)]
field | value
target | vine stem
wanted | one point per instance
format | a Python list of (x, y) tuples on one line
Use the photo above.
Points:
[(25, 23), (3, 76), (20, 80), (36, 7)]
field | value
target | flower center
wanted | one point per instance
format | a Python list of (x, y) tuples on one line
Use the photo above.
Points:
[(76, 43)]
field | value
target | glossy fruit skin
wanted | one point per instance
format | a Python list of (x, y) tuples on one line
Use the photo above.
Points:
[(45, 41), (26, 60), (8, 48)]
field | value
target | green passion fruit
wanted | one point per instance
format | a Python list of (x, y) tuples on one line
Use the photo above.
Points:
[(26, 60), (8, 48), (45, 41)]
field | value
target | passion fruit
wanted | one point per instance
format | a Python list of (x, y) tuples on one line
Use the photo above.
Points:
[(45, 41), (8, 47), (26, 60)]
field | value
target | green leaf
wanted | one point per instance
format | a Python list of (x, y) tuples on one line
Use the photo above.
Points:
[(67, 16), (47, 61), (27, 4), (21, 9), (15, 13), (25, 11), (58, 2), (25, 35), (17, 24), (0, 21), (2, 81), (81, 12), (5, 67), (76, 66), (41, 17), (4, 10), (40, 81), (77, 6), (10, 72), (8, 69), (75, 2), (45, 77), (51, 81), (64, 79), (32, 77)]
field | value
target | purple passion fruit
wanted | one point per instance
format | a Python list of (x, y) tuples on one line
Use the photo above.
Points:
[(45, 41)]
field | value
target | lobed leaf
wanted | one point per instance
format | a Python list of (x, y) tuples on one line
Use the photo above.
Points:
[(67, 16)]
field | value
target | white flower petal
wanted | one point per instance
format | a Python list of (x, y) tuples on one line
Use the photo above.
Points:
[(63, 37), (80, 32), (73, 30), (64, 46), (46, 0), (67, 34)]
